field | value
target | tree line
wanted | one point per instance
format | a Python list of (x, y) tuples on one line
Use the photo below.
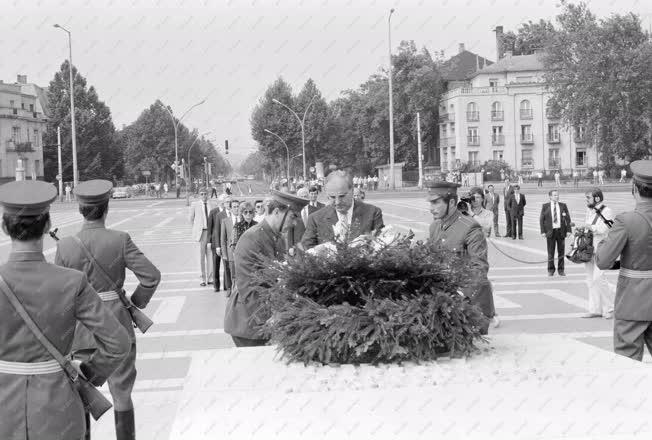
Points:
[(103, 152), (599, 72)]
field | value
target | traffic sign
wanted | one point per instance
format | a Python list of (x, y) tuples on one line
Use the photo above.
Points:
[(147, 173), (58, 177)]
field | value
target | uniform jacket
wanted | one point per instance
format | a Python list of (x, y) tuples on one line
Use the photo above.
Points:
[(319, 228), (244, 315), (630, 237), (545, 219), (215, 217), (198, 218), (115, 252), (45, 407), (516, 209), (492, 206), (460, 233), (226, 237)]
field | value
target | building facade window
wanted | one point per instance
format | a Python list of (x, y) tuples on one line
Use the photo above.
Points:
[(580, 158), (31, 109), (579, 133), (553, 134), (526, 158), (472, 113), (12, 104), (524, 79), (444, 133), (553, 158), (497, 113), (526, 109), (526, 134), (497, 137), (473, 158), (493, 83), (472, 136), (15, 134), (37, 139), (550, 113), (498, 155)]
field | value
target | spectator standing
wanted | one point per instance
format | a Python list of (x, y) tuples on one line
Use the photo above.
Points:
[(601, 292), (386, 179), (517, 209), (539, 179), (555, 224), (68, 190), (259, 215), (483, 216), (575, 179), (557, 176), (623, 175), (199, 220), (601, 177), (165, 189), (492, 203), (520, 179), (595, 177), (508, 192), (215, 217), (226, 238)]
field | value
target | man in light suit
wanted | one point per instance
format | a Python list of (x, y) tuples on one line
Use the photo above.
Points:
[(199, 219), (555, 223), (516, 210), (226, 244), (350, 219), (491, 203)]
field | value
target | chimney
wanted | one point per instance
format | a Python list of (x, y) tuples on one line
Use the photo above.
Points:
[(461, 49), (500, 45), (22, 79)]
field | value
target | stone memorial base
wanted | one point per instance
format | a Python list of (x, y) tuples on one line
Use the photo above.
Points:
[(520, 387)]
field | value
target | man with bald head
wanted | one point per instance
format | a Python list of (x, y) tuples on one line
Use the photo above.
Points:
[(348, 217)]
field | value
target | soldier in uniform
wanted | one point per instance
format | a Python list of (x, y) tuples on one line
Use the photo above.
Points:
[(244, 316), (630, 238), (455, 231), (113, 252), (38, 400)]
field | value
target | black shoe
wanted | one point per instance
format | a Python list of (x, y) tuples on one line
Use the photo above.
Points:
[(125, 425), (514, 237), (562, 274), (210, 282), (520, 238), (497, 235), (551, 274)]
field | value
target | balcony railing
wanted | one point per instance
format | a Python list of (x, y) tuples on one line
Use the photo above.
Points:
[(443, 117), (579, 138), (473, 140), (553, 138), (19, 147), (554, 163), (526, 113), (527, 138), (497, 115), (497, 139), (472, 116), (474, 163), (498, 90), (550, 114), (527, 163)]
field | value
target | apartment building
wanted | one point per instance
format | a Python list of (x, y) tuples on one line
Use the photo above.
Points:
[(22, 124), (501, 112)]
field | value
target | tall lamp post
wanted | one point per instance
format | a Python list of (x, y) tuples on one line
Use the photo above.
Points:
[(302, 122), (176, 123), (189, 167), (391, 105), (294, 157), (288, 154), (75, 172)]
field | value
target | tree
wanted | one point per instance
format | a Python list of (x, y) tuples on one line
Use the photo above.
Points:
[(99, 155), (529, 37), (599, 72), (316, 122), (254, 164)]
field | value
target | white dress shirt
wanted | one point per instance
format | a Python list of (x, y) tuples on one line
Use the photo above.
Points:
[(554, 206)]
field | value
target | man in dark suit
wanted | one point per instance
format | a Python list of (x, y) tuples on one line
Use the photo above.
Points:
[(508, 192), (295, 232), (348, 218), (556, 226), (214, 225), (491, 203), (516, 211)]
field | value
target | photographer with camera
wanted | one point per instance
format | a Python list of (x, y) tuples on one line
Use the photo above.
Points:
[(598, 220)]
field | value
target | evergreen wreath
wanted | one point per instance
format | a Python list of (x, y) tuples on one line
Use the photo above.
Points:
[(372, 301)]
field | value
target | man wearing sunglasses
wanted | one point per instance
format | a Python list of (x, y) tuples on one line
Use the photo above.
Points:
[(259, 215)]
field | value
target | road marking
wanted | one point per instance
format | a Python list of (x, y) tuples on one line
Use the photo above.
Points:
[(178, 333), (557, 294), (151, 205), (504, 303), (158, 225), (169, 310), (540, 317), (539, 282), (150, 384)]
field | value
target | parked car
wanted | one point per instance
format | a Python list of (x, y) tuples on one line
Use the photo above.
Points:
[(121, 192)]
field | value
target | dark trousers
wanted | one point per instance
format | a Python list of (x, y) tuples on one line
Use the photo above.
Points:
[(496, 233), (213, 192), (245, 342), (508, 222), (517, 225), (630, 337), (216, 270), (557, 239), (228, 280), (539, 182)]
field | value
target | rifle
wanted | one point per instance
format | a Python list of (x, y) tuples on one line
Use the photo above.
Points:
[(53, 234)]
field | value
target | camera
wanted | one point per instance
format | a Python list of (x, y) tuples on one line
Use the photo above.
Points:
[(464, 203)]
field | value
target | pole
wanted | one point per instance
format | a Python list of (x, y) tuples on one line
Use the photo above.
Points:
[(420, 184), (302, 123), (391, 107), (59, 162), (75, 171), (287, 152)]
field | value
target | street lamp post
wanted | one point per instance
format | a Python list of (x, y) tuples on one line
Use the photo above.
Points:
[(391, 107), (190, 168), (75, 171), (288, 153), (294, 157), (303, 130), (176, 139)]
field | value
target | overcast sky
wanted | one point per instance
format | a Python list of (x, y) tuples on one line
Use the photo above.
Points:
[(182, 51)]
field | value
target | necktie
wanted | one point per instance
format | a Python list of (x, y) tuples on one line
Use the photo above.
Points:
[(554, 213), (206, 212)]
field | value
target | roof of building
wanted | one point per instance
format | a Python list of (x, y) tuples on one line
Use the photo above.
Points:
[(42, 94), (463, 66), (515, 63)]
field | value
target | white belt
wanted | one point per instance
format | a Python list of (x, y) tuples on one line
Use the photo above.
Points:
[(108, 296), (30, 368), (639, 274)]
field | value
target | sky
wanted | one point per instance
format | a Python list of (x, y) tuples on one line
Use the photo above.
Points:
[(229, 52)]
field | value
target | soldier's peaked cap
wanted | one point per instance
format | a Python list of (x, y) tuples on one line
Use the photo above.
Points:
[(441, 188), (93, 192), (642, 170), (27, 197), (293, 202)]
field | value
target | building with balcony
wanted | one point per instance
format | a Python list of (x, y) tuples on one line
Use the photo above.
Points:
[(500, 112), (23, 122)]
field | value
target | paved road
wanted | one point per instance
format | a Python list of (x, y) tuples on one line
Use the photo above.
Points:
[(189, 318)]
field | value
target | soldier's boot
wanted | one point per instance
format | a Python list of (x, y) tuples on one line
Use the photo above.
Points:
[(125, 425), (87, 418)]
